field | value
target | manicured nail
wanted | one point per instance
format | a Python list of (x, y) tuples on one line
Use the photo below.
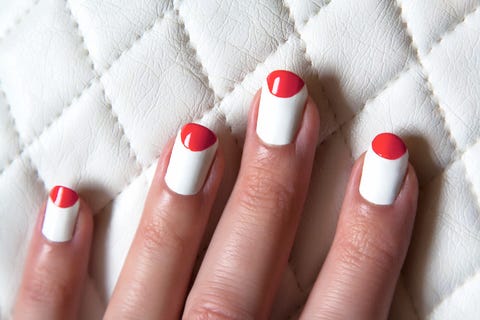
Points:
[(192, 156), (60, 214), (281, 107), (384, 169)]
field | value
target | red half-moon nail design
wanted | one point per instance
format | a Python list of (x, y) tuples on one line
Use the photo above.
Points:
[(389, 146), (284, 84), (384, 169), (196, 137), (63, 197), (192, 155)]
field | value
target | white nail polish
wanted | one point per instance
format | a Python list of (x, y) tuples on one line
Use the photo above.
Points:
[(192, 155), (281, 107), (384, 168), (60, 214)]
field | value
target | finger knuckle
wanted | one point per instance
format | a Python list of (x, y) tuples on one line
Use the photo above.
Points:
[(215, 311), (159, 234), (45, 289), (363, 245), (262, 191)]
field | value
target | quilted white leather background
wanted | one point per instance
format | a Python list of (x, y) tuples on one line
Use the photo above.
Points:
[(91, 90)]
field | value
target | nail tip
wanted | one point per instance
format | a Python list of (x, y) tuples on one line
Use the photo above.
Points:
[(384, 169), (197, 137), (63, 197), (190, 161), (389, 146), (60, 214), (279, 117), (284, 83)]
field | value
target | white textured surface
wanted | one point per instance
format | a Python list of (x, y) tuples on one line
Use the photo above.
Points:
[(91, 90)]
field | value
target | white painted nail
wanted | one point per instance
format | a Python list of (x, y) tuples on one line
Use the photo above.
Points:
[(192, 155), (384, 168), (281, 107), (60, 214)]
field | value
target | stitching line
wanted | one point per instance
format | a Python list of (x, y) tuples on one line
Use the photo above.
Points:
[(217, 108), (140, 36), (18, 20), (204, 73), (13, 123), (429, 86), (109, 105), (108, 101), (450, 164), (441, 111), (86, 88), (191, 45), (432, 95), (471, 186), (36, 173), (76, 26), (457, 289), (451, 30)]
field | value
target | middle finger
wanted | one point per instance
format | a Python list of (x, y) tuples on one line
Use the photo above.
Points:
[(241, 271)]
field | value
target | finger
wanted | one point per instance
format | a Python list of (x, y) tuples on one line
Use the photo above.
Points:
[(358, 277), (241, 271), (157, 271), (56, 265)]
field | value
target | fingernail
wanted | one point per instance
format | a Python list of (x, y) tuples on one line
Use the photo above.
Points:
[(60, 214), (192, 155), (281, 107), (384, 169)]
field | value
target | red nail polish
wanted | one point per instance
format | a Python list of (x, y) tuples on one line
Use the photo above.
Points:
[(196, 137), (192, 155), (389, 146), (60, 214), (384, 168), (63, 197), (281, 106), (284, 84)]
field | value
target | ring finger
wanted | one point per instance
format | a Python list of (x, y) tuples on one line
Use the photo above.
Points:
[(156, 273)]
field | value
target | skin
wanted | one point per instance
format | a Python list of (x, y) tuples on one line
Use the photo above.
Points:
[(255, 233)]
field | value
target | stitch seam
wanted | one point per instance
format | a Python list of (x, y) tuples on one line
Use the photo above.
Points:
[(14, 126), (470, 185), (457, 289), (193, 48), (89, 84), (136, 40), (109, 105), (451, 30), (76, 26), (449, 164), (19, 20), (433, 96), (108, 101), (149, 28), (36, 172), (425, 75), (205, 75)]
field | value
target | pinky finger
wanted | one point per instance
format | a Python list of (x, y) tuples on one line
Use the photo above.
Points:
[(56, 265)]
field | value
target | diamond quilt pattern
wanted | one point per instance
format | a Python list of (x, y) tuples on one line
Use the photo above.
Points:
[(91, 90)]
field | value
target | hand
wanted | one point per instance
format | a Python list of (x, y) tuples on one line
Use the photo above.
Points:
[(241, 271)]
